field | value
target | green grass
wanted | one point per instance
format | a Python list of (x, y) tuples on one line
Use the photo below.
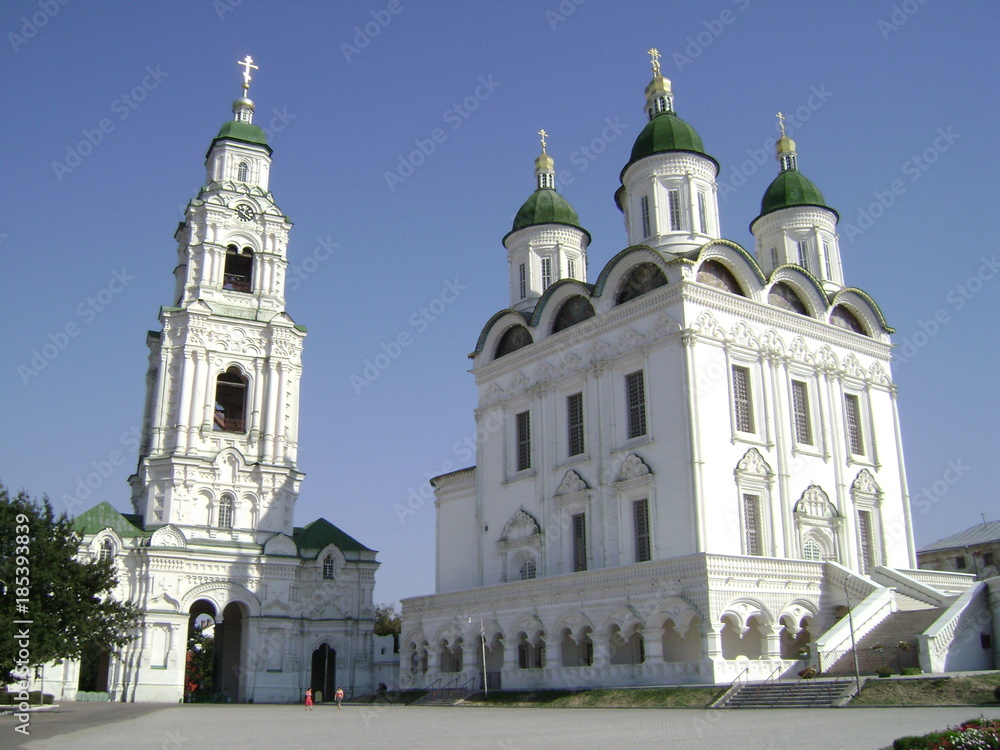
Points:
[(973, 690), (665, 697)]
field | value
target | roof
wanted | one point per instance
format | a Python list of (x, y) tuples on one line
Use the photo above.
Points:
[(666, 132), (104, 516), (545, 206), (791, 188), (320, 533), (237, 130), (981, 533)]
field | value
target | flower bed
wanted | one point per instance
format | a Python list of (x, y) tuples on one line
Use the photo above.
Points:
[(978, 733)]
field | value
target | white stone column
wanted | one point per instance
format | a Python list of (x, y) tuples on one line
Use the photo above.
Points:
[(772, 640)]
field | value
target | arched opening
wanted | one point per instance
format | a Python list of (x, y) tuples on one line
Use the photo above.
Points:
[(95, 669), (740, 643), (528, 570), (494, 660), (715, 274), (231, 401), (323, 680), (107, 550), (783, 296), (577, 653), (682, 648), (516, 337), (574, 310), (238, 273), (795, 638), (226, 514), (329, 567), (229, 653), (243, 172), (200, 663), (451, 658), (626, 648), (844, 318), (644, 278), (530, 652)]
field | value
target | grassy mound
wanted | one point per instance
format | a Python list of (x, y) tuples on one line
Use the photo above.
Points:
[(973, 690)]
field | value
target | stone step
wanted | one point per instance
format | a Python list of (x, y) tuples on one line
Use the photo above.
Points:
[(799, 694), (901, 626)]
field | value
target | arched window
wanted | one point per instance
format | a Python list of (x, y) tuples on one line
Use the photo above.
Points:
[(225, 520), (715, 274), (515, 338), (528, 570), (644, 278), (243, 172), (231, 401), (238, 273), (328, 567), (107, 550), (574, 310), (844, 318), (783, 296), (812, 551)]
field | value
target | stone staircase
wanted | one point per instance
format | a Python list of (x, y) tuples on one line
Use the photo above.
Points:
[(880, 647), (444, 697), (815, 693)]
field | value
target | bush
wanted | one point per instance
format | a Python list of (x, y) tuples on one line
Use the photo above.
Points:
[(11, 699), (884, 672), (911, 671), (996, 693)]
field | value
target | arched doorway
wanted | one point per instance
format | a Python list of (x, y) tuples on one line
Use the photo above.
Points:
[(199, 666), (214, 653), (324, 673)]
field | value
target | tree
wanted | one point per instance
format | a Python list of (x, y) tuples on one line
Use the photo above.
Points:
[(58, 606), (387, 620)]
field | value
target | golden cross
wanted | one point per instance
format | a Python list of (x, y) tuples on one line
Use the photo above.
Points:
[(544, 136), (781, 123), (247, 65), (654, 54)]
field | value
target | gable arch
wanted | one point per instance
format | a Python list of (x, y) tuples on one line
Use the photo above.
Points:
[(805, 287), (741, 264), (221, 594), (614, 274), (495, 328), (554, 297), (862, 307)]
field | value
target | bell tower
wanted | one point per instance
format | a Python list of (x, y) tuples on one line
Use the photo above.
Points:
[(217, 455)]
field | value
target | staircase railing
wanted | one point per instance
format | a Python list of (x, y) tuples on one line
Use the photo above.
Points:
[(733, 688), (836, 642), (963, 619)]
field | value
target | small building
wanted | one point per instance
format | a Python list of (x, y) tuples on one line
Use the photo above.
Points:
[(975, 550)]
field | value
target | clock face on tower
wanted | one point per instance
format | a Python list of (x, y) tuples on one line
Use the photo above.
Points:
[(244, 212)]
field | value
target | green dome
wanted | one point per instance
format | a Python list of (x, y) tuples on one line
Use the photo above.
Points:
[(666, 132), (242, 131), (791, 188), (545, 206)]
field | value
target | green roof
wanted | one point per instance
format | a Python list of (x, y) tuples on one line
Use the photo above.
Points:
[(242, 131), (103, 516), (791, 188), (545, 206), (666, 132), (321, 532)]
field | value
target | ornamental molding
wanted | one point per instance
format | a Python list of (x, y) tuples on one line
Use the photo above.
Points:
[(571, 484), (753, 464), (865, 484), (521, 527), (168, 536), (815, 503), (633, 467)]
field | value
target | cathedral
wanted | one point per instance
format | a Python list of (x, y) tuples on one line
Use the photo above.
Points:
[(689, 468), (211, 548)]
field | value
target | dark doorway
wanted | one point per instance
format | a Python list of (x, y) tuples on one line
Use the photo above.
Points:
[(324, 673), (95, 665), (228, 653)]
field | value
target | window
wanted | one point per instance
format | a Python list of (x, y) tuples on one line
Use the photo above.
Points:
[(751, 524), (644, 278), (640, 526), (243, 172), (574, 310), (800, 413), (328, 567), (571, 268), (522, 281), (960, 562), (644, 205), (635, 404), (528, 570), (579, 521), (674, 203), (107, 550), (811, 551), (514, 338), (238, 273), (774, 257), (803, 247), (523, 440), (828, 263), (225, 519), (546, 273), (703, 211), (742, 399), (230, 401), (574, 419), (852, 408), (865, 539)]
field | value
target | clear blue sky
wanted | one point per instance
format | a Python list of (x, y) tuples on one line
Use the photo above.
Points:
[(349, 89)]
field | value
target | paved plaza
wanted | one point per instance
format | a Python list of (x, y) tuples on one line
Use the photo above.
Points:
[(88, 726)]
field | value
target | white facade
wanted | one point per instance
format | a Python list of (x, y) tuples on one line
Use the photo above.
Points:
[(681, 468), (213, 534)]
